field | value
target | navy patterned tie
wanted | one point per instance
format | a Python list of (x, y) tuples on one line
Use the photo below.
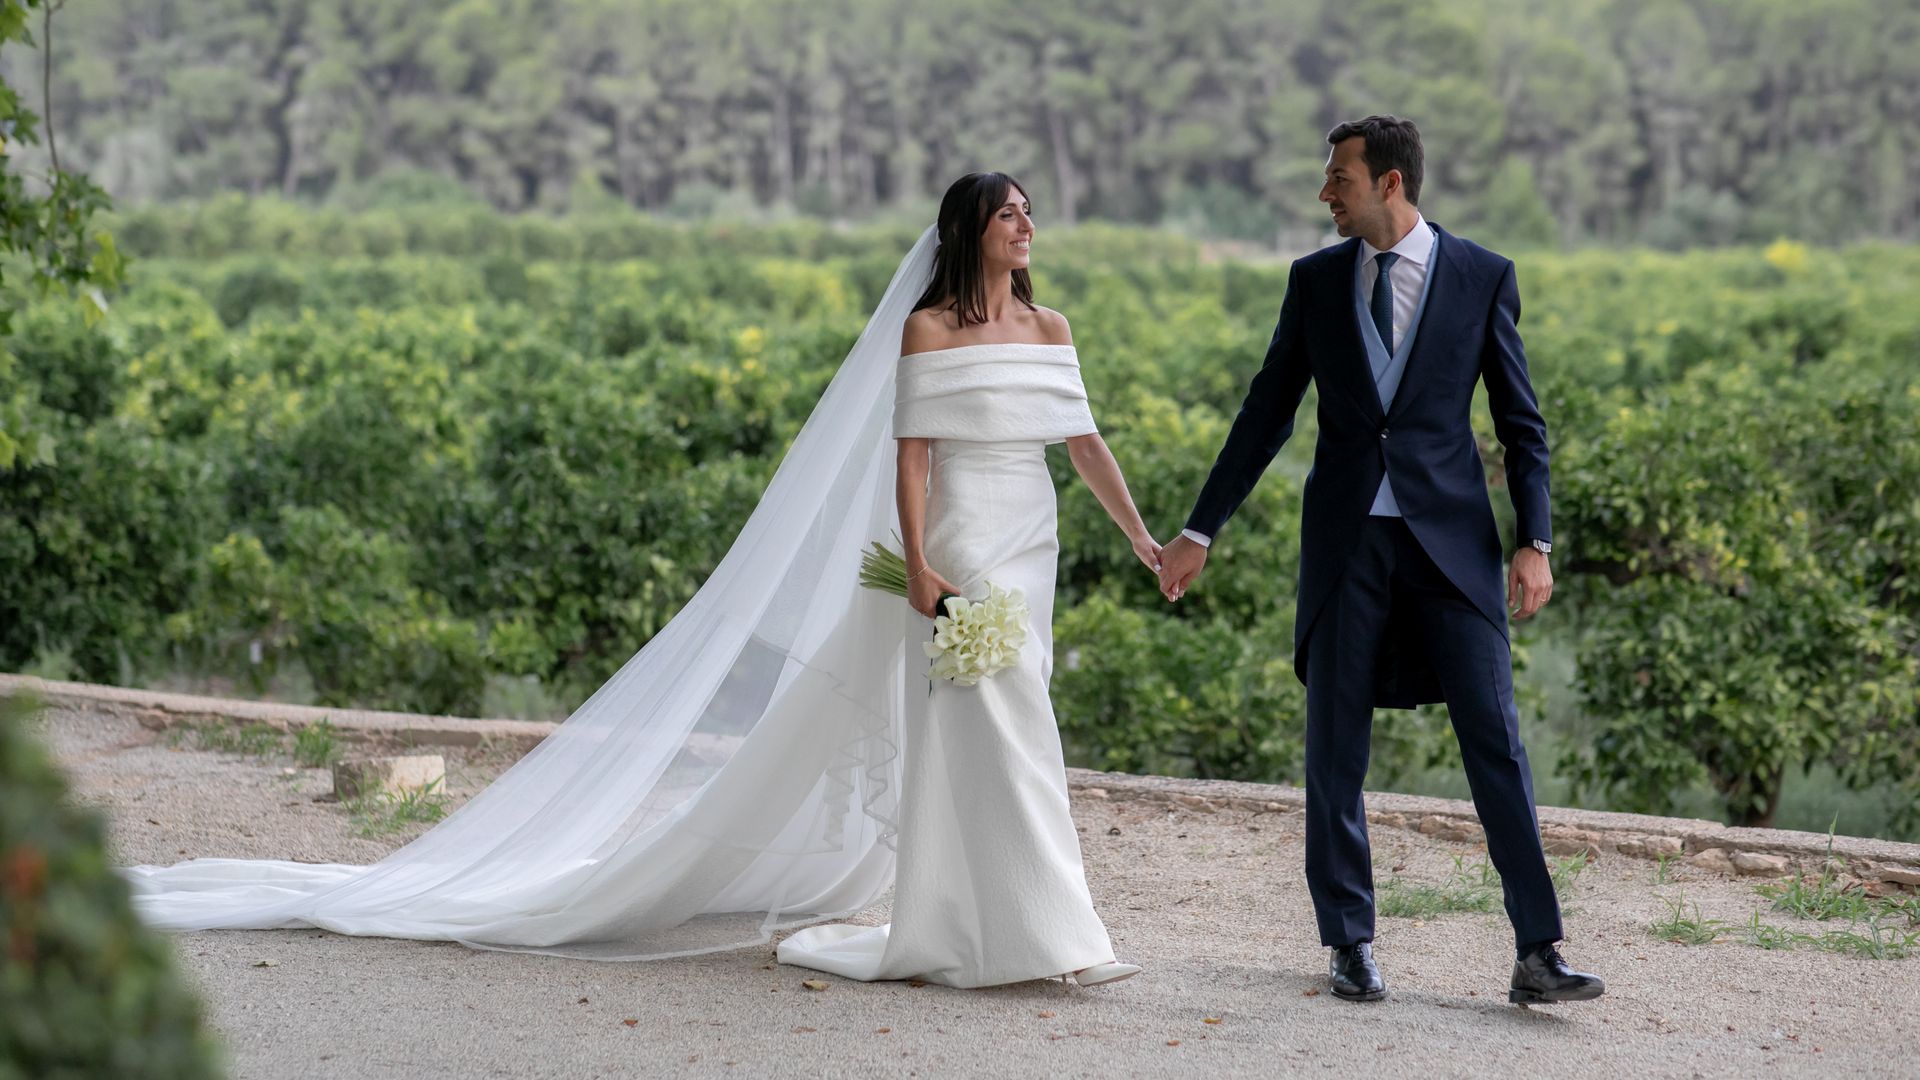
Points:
[(1382, 304)]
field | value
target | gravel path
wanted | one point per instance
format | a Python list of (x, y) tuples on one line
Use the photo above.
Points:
[(1212, 904)]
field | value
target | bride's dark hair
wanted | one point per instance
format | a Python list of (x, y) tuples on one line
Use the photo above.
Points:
[(959, 278)]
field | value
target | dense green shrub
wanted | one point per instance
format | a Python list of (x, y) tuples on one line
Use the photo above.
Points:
[(1747, 602), (440, 446), (1188, 697), (343, 600), (85, 989), (98, 547)]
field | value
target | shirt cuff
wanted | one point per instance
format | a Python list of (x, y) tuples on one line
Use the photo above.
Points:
[(1203, 541)]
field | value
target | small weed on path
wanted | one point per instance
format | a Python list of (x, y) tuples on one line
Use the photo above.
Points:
[(1663, 868), (1685, 927), (1873, 933), (1567, 869), (317, 746), (254, 740), (381, 813), (1878, 943), (1472, 887)]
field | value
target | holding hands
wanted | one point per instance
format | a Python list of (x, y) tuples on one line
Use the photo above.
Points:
[(1180, 564), (1147, 550)]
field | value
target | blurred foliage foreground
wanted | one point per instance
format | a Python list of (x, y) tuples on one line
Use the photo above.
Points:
[(85, 989), (432, 454)]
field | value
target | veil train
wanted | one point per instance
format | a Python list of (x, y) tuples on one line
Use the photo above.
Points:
[(739, 774)]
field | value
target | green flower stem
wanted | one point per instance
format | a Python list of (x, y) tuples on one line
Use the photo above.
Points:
[(884, 569)]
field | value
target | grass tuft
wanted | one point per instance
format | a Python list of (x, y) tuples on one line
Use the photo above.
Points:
[(381, 813), (317, 746), (1686, 929), (1878, 943), (1567, 869), (1826, 897), (255, 740), (1471, 887), (1820, 899), (1769, 936), (1907, 907), (1663, 868), (1872, 934)]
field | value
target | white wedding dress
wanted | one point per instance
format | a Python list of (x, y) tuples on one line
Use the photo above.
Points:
[(743, 773), (990, 887)]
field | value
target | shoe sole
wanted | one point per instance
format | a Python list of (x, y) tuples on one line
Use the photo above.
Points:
[(1107, 982), (1537, 997), (1371, 995)]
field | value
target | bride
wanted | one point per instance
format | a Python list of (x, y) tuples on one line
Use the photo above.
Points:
[(759, 763)]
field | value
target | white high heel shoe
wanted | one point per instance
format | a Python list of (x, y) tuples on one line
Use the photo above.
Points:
[(1101, 974)]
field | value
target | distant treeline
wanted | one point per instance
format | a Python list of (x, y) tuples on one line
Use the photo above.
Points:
[(1673, 122)]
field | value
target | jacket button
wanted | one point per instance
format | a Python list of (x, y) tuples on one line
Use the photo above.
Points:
[(1383, 433)]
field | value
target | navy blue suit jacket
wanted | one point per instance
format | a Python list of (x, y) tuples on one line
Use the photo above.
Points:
[(1424, 440)]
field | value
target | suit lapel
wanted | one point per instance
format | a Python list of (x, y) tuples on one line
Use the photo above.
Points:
[(1437, 320)]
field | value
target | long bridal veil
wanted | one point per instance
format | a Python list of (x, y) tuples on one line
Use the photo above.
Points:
[(738, 774)]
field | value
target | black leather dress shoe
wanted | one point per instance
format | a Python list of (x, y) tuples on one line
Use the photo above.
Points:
[(1542, 977), (1353, 974)]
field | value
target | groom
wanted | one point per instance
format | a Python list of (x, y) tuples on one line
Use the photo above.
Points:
[(1400, 600)]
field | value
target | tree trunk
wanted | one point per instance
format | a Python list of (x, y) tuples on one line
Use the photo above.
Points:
[(780, 153), (1744, 813), (286, 156), (905, 166), (1062, 164)]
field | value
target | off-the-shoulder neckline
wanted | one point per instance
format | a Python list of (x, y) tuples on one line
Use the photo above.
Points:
[(989, 345)]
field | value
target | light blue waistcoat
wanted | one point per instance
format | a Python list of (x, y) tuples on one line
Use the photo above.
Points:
[(1387, 370)]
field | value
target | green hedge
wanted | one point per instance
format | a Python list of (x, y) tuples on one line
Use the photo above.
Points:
[(488, 448)]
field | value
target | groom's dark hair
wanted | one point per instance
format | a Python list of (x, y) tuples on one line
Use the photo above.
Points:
[(1392, 143)]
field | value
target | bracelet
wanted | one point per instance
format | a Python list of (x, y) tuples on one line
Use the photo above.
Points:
[(917, 573)]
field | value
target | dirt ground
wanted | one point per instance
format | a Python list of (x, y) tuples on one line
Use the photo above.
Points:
[(1213, 905)]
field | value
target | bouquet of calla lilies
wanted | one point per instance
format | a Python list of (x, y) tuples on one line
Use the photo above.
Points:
[(973, 639)]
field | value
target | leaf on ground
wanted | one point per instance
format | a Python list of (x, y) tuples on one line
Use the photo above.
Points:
[(1173, 1042), (1210, 1020), (582, 1001), (882, 1031), (814, 984), (267, 963), (1311, 991), (801, 1029), (630, 1022), (1046, 1014), (916, 983)]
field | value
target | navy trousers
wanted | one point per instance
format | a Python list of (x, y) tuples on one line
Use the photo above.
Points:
[(1390, 572)]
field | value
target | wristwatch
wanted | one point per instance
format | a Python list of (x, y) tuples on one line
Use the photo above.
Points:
[(1542, 546)]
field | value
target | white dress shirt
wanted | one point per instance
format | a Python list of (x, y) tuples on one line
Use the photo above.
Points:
[(1409, 280), (1409, 274)]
